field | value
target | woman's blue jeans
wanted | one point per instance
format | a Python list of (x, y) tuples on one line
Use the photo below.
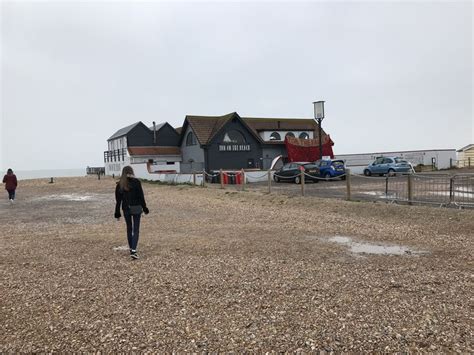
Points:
[(133, 229)]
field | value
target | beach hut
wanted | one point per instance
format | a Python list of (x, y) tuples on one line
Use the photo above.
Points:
[(466, 156)]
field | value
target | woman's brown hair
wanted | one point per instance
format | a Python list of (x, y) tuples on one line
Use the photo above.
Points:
[(127, 171)]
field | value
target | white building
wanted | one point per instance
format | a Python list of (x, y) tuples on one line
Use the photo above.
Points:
[(466, 156), (136, 144), (437, 158)]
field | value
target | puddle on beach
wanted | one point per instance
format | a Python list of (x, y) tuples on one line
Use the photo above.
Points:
[(68, 197), (381, 195), (373, 248)]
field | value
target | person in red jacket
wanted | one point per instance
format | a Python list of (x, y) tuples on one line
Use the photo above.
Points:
[(10, 184)]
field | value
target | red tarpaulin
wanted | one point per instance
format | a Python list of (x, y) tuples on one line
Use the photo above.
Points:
[(307, 149)]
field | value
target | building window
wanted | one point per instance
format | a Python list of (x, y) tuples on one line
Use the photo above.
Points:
[(275, 136), (234, 137), (191, 139), (304, 135), (290, 134)]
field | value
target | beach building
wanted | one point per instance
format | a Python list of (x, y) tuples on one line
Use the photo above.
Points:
[(157, 145), (434, 159), (209, 143), (466, 156), (231, 142)]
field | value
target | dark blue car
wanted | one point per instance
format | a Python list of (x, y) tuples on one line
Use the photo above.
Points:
[(329, 168)]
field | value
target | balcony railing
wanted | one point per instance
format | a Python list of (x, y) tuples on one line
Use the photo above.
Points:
[(115, 155)]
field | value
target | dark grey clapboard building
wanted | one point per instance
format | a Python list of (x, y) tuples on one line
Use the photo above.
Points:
[(233, 142), (138, 143)]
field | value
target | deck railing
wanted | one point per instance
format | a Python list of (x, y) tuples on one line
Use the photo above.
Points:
[(115, 155)]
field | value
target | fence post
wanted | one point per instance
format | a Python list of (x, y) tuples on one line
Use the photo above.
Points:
[(386, 186), (203, 184), (469, 162), (221, 178), (451, 190), (194, 178), (269, 181), (348, 184), (242, 178), (302, 181), (450, 163), (410, 188)]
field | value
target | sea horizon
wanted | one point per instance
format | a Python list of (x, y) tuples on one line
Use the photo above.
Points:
[(48, 173)]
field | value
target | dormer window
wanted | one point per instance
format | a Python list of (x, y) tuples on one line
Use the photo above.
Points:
[(275, 136), (304, 135), (290, 134)]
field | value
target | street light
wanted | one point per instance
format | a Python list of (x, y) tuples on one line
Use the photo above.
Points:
[(319, 116)]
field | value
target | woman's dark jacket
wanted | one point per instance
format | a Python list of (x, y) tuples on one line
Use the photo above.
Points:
[(134, 196), (10, 182)]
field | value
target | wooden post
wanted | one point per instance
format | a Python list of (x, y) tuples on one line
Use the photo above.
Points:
[(469, 162), (269, 181), (194, 178), (242, 178), (410, 188), (348, 184), (302, 181), (222, 178)]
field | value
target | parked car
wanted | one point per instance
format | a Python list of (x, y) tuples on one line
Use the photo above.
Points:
[(331, 168), (290, 172), (388, 165)]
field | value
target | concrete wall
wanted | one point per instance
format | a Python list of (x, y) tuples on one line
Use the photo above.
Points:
[(141, 171)]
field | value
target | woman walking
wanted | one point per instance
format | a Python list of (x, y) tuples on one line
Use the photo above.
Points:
[(129, 194), (10, 184)]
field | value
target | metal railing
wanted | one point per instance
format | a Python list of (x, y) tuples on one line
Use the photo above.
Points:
[(115, 155), (431, 189), (415, 189)]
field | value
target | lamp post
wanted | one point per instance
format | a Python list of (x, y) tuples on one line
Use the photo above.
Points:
[(319, 116)]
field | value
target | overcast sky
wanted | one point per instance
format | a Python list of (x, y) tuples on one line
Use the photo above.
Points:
[(395, 76)]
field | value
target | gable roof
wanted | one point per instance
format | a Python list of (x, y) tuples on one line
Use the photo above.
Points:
[(123, 131), (467, 147), (205, 127), (158, 126)]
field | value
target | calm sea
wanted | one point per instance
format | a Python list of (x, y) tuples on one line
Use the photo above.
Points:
[(38, 174)]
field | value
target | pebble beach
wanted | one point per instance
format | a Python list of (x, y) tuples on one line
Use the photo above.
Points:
[(226, 270)]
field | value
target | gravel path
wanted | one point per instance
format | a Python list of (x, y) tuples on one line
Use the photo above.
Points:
[(230, 271)]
